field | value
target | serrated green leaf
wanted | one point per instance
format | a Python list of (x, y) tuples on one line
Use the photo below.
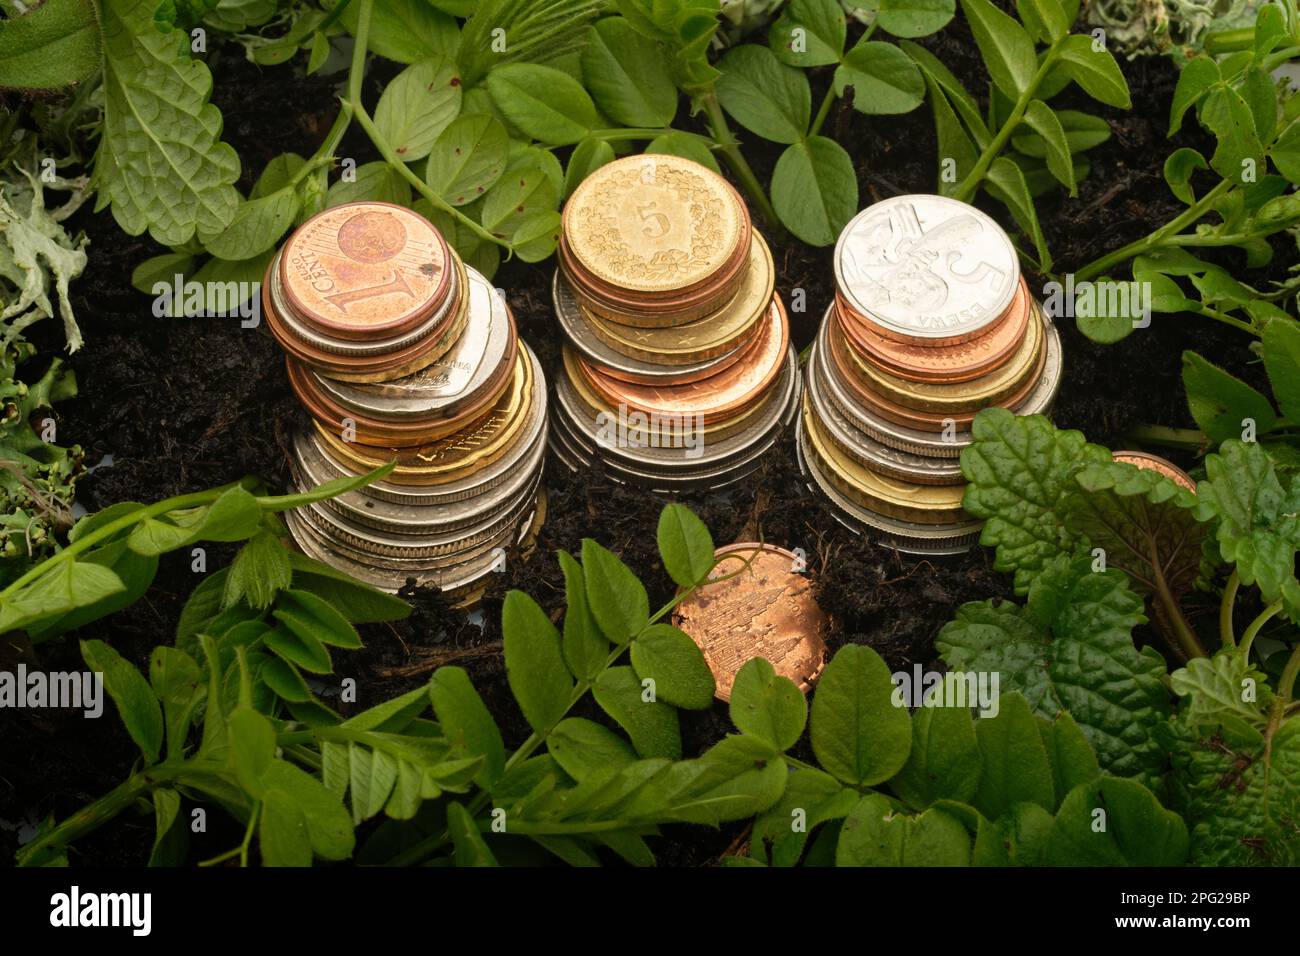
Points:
[(261, 570)]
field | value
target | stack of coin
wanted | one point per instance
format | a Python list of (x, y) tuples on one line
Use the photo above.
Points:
[(398, 350), (678, 368), (931, 322)]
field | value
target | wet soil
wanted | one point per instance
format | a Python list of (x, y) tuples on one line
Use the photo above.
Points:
[(184, 405)]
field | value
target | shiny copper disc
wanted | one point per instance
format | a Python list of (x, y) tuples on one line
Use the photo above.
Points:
[(765, 610)]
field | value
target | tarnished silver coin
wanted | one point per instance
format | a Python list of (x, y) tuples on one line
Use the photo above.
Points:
[(862, 448), (905, 536), (624, 368), (450, 383), (926, 269), (356, 349)]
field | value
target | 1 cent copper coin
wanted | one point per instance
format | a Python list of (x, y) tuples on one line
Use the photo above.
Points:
[(365, 270), (764, 610)]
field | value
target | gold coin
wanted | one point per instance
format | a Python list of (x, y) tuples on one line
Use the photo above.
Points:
[(705, 338), (653, 223), (463, 453), (923, 504), (990, 389)]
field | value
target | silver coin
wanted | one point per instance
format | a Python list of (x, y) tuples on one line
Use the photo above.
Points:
[(713, 455), (862, 448), (449, 383), (622, 367), (347, 347), (486, 478), (926, 267), (905, 536), (410, 547), (417, 519)]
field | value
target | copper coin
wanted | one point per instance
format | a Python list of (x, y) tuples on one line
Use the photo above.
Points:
[(718, 397), (655, 225), (365, 270), (766, 609), (1149, 462), (943, 363)]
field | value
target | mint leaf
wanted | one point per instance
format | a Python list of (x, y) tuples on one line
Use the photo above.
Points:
[(1072, 650), (160, 163), (1020, 469)]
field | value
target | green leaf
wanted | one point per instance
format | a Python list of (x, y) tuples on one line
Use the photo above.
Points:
[(953, 142), (261, 570), (178, 684), (1045, 19), (1228, 117), (299, 646), (767, 707), (1285, 152), (873, 835), (466, 723), (957, 94), (815, 190), (1179, 167), (169, 841), (1072, 650), (285, 680), (252, 749), (914, 18), (686, 146), (160, 163), (134, 572), (617, 600), (1220, 402), (327, 489), (945, 759), (685, 545), (360, 603), (884, 79), (471, 850), (56, 44), (1281, 342), (135, 700), (235, 515), (524, 192), (857, 733), (417, 106), (329, 828), (1006, 183), (535, 664), (586, 749), (1007, 49), (282, 834), (675, 663), (373, 182), (1015, 766), (1196, 78), (1071, 756), (404, 30), (628, 77), (546, 103), (62, 588), (1019, 468), (1045, 123), (256, 226), (1115, 822), (587, 157), (1221, 689), (809, 33), (1257, 530), (585, 647), (811, 798), (308, 616), (1095, 70), (651, 724), (765, 96)]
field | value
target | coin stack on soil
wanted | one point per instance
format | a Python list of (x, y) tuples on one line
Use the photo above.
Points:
[(401, 351), (678, 369), (931, 322)]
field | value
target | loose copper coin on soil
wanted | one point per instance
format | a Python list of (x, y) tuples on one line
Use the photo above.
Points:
[(716, 398), (655, 225), (1149, 462), (766, 610), (365, 270), (960, 362)]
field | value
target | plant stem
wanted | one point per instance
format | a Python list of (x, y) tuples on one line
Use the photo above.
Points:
[(1185, 642), (1190, 439), (1226, 606), (823, 111), (967, 188), (1286, 683), (355, 74), (1156, 238), (1248, 636), (90, 817), (729, 146)]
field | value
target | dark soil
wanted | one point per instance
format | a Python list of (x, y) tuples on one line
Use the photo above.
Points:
[(184, 405)]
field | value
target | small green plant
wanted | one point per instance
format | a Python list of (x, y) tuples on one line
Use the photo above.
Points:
[(1255, 122), (1016, 150)]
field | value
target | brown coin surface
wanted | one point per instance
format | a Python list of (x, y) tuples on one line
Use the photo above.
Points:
[(766, 610), (1149, 462), (364, 270)]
